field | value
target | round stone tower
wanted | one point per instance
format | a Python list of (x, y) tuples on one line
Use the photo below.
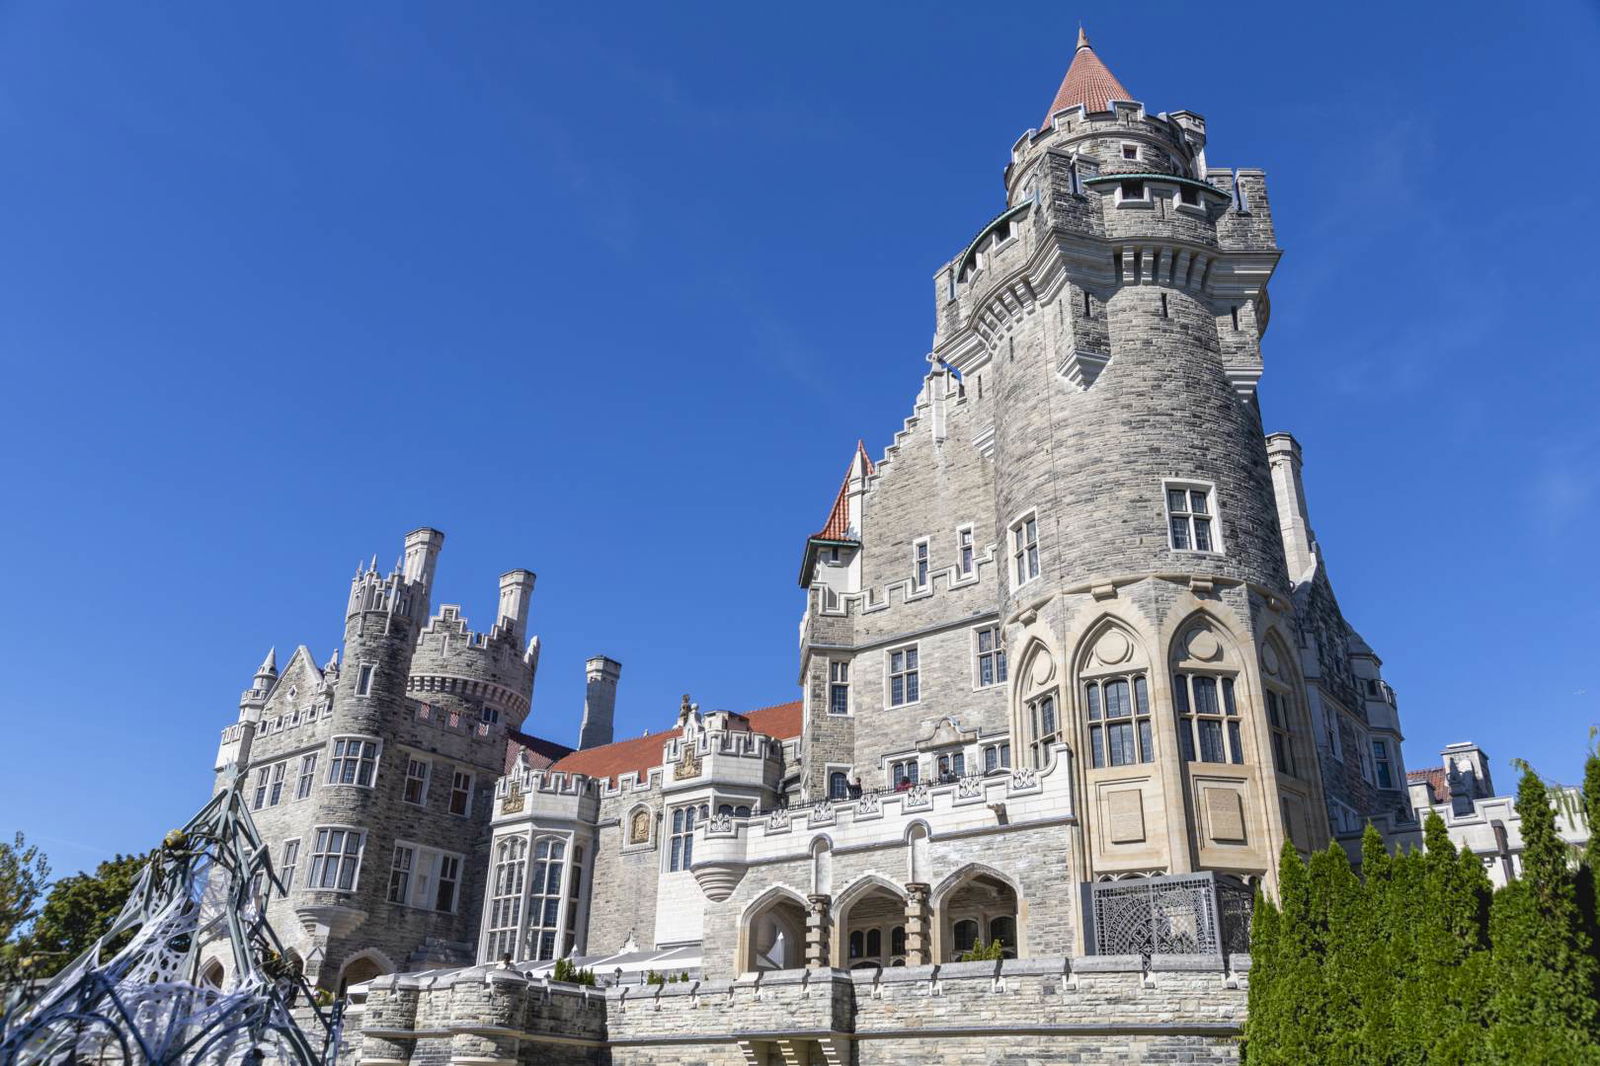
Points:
[(1106, 326)]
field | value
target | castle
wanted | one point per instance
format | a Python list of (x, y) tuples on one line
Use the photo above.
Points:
[(1072, 672)]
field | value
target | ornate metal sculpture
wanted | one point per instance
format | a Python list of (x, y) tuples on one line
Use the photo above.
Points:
[(1185, 914), (143, 1004)]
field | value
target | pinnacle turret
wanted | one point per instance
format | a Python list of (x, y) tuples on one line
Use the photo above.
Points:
[(1089, 82)]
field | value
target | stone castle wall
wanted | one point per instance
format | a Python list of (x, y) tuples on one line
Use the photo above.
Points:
[(1104, 1009)]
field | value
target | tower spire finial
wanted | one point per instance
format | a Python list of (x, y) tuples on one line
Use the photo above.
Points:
[(1089, 84)]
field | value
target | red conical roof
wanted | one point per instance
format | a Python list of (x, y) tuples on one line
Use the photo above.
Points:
[(1088, 82), (838, 526)]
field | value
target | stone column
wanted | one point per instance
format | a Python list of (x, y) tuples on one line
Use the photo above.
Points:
[(919, 941), (819, 917)]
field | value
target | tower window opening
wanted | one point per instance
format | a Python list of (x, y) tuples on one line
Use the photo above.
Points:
[(1208, 728), (1088, 308), (1164, 311), (1235, 313), (1132, 190), (1189, 518), (1130, 151), (1025, 549), (919, 556), (1188, 194), (364, 680), (838, 687), (1282, 744), (838, 785), (1046, 726), (1119, 721), (964, 551)]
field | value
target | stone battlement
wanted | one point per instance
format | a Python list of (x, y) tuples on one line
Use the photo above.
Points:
[(1104, 1008)]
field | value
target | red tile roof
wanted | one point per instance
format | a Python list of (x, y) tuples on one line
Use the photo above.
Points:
[(1088, 82), (638, 755), (1437, 781), (540, 752), (838, 524)]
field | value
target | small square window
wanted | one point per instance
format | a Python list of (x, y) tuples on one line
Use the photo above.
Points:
[(1130, 151)]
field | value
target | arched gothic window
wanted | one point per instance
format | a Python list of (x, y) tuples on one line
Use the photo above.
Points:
[(544, 896), (505, 901), (1118, 710)]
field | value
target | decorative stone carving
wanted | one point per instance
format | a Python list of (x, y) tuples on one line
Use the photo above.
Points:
[(869, 804), (1043, 669), (1269, 660), (918, 943), (1113, 647), (639, 827), (968, 787), (1224, 815), (514, 801), (1204, 646)]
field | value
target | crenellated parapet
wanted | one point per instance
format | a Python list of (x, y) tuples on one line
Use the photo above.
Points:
[(1093, 1008), (1018, 797)]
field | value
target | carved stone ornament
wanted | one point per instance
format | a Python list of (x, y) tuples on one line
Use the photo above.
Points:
[(1043, 669), (1113, 648), (639, 827), (514, 801), (688, 763), (1204, 645), (1269, 660)]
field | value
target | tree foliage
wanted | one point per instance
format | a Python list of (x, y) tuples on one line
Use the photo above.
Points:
[(1417, 960), (24, 872), (80, 908)]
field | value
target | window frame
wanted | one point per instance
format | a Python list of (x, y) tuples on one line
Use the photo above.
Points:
[(423, 781), (910, 675), (922, 564), (317, 864), (1025, 555), (336, 761), (966, 550), (506, 892), (1382, 764), (1103, 726), (999, 671), (424, 877), (996, 756), (1280, 726), (288, 864), (1042, 738), (1226, 713), (365, 672), (1211, 517), (838, 683), (680, 826), (308, 775), (456, 773)]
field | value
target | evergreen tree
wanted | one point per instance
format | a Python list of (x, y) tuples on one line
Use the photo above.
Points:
[(1297, 1025), (1345, 931), (1377, 983), (1543, 1004), (1263, 1018), (23, 875)]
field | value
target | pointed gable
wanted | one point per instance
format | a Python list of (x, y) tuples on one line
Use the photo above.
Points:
[(1088, 82), (838, 525)]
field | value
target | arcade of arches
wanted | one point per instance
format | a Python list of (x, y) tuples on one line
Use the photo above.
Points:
[(877, 924)]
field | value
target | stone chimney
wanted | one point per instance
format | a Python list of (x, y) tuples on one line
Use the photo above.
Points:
[(599, 701)]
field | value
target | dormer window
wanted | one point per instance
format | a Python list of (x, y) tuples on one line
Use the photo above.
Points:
[(1002, 232), (1131, 190), (1188, 194)]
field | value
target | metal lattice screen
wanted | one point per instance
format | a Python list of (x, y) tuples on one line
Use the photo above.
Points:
[(1181, 914)]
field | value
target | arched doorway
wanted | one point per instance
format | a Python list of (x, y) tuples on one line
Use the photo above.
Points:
[(359, 970), (872, 926), (978, 909), (775, 934)]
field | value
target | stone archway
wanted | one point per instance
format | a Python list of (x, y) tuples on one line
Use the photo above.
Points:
[(976, 908), (359, 970), (871, 921), (775, 933)]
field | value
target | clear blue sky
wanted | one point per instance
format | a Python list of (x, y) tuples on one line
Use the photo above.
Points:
[(610, 291)]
